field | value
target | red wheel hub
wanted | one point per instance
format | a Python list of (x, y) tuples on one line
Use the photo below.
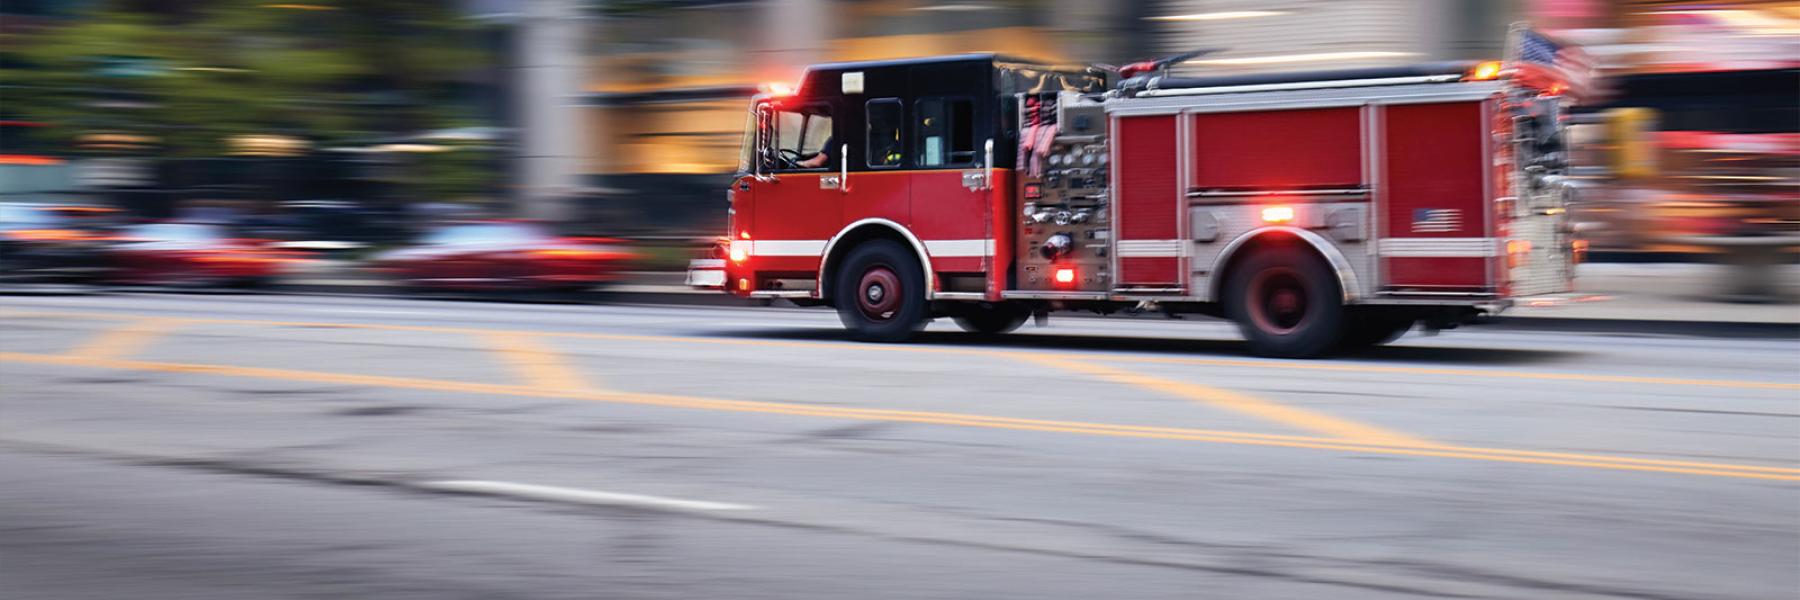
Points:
[(879, 293), (1278, 300)]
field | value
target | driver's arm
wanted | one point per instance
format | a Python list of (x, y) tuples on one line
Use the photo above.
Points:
[(823, 158)]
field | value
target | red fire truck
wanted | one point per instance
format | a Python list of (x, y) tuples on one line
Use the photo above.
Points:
[(1319, 211)]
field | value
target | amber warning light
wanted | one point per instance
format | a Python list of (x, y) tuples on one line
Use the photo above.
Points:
[(1484, 71)]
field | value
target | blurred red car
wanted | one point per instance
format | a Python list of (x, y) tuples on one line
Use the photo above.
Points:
[(194, 254), (492, 255)]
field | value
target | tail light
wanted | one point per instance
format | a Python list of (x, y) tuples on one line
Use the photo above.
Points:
[(1518, 252), (46, 235), (1065, 275), (573, 253), (1278, 214)]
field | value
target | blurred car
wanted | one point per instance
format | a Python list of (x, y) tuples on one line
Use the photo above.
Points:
[(43, 243), (194, 254), (493, 255)]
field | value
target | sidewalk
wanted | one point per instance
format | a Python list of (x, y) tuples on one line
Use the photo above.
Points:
[(1669, 291), (1672, 298)]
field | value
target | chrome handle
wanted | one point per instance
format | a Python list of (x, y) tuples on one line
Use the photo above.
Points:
[(987, 180), (844, 169)]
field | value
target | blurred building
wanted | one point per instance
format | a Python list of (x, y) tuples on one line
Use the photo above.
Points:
[(1288, 35), (668, 81)]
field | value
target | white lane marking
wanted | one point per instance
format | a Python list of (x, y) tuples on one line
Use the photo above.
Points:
[(576, 496)]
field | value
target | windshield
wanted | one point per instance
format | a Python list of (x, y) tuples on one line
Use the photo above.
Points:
[(747, 144)]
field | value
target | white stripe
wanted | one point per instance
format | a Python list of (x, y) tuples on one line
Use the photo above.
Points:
[(1439, 247), (787, 247), (576, 496), (959, 248), (1144, 248)]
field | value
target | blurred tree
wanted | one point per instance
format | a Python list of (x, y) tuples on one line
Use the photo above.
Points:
[(195, 75)]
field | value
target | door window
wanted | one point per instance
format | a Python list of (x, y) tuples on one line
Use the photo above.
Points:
[(885, 150), (804, 139), (946, 129)]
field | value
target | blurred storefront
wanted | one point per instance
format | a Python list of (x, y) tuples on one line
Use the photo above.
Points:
[(1694, 148)]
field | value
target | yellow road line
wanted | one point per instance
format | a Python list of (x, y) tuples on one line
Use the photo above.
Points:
[(953, 419), (1359, 368), (538, 364), (125, 341), (1239, 403)]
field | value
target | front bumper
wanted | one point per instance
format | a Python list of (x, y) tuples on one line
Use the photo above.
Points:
[(706, 273)]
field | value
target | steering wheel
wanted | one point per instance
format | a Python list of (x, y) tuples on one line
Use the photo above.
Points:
[(790, 157)]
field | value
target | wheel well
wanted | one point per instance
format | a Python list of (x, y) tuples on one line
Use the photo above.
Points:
[(1265, 242), (857, 237)]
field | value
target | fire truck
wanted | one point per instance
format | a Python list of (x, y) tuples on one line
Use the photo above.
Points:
[(1319, 211)]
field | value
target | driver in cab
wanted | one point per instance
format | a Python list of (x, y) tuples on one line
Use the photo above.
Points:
[(820, 160)]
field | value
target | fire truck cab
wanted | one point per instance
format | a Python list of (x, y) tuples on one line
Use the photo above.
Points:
[(1319, 211)]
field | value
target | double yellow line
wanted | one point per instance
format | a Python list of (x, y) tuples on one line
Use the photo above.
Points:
[(1357, 368), (546, 374), (935, 418)]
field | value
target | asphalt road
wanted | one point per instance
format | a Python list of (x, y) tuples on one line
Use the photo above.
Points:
[(199, 446)]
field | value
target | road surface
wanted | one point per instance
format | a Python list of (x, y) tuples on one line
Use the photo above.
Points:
[(199, 446)]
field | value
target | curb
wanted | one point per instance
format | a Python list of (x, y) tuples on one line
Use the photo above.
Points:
[(638, 295), (1704, 329)]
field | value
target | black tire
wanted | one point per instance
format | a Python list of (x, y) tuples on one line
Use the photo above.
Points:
[(251, 283), (1286, 302), (880, 292), (990, 319), (1366, 330)]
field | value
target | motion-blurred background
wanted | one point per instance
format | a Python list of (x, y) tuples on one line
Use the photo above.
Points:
[(365, 124)]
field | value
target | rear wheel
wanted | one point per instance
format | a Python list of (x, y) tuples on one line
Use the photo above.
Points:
[(1286, 302), (990, 318), (880, 293)]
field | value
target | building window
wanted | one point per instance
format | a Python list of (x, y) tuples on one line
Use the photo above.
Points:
[(885, 150), (946, 129)]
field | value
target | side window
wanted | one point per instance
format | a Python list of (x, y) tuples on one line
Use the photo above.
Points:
[(946, 129), (803, 138), (885, 150)]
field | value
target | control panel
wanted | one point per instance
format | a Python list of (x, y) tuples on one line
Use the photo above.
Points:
[(1064, 189)]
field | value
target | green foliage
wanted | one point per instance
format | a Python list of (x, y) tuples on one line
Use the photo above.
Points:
[(328, 71)]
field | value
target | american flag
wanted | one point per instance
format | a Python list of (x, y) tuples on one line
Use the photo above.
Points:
[(1436, 220), (1555, 68)]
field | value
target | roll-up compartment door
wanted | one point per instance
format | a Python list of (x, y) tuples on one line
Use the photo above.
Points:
[(1149, 202)]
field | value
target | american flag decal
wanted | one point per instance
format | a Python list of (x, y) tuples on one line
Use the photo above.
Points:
[(1436, 220)]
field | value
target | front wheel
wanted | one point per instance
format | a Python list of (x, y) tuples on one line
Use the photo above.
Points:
[(990, 319), (880, 293), (1286, 302)]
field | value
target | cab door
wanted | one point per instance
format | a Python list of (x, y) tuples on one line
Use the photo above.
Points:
[(952, 199), (878, 186), (798, 191)]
